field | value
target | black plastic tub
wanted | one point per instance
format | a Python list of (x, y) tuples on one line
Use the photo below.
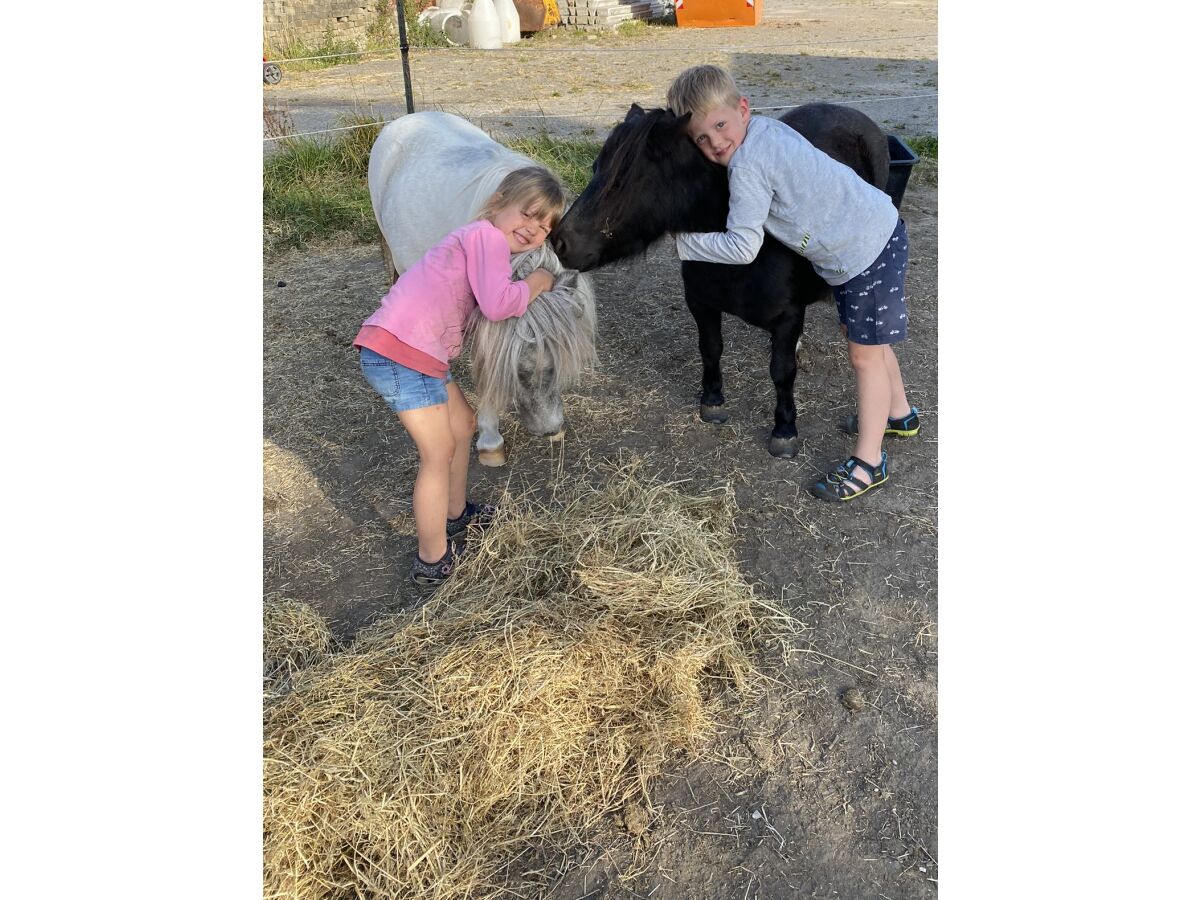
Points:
[(899, 168)]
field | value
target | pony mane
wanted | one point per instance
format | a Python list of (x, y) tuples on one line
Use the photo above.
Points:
[(558, 328), (689, 205), (627, 152)]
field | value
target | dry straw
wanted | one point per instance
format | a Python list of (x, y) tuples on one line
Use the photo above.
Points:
[(450, 752), (294, 638)]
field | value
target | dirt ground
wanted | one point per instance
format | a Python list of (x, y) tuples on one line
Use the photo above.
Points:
[(829, 802), (879, 54)]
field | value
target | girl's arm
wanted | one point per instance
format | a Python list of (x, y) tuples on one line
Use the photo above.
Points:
[(489, 272), (539, 280)]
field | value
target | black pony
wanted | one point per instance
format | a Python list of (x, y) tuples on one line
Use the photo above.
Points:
[(649, 179)]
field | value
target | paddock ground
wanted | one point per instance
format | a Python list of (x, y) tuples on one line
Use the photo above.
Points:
[(851, 796)]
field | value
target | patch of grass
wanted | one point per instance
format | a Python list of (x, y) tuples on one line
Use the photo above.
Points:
[(383, 32), (330, 52), (571, 160), (314, 188), (926, 170), (925, 146)]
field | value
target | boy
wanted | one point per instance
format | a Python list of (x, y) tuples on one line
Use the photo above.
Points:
[(848, 229)]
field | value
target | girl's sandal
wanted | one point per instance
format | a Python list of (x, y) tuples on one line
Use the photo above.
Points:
[(840, 484), (478, 514), (436, 572)]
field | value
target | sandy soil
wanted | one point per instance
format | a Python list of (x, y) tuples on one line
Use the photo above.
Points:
[(850, 796)]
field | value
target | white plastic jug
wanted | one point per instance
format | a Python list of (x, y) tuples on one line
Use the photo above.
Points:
[(483, 26), (510, 21)]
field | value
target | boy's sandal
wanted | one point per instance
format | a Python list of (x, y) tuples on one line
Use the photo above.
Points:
[(905, 426), (478, 514), (840, 484), (436, 572)]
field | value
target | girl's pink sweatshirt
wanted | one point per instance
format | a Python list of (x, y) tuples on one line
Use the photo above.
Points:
[(427, 307)]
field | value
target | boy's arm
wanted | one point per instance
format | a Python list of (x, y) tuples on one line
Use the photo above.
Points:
[(749, 202)]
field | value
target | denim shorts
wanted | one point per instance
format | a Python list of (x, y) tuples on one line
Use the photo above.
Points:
[(872, 305), (403, 388)]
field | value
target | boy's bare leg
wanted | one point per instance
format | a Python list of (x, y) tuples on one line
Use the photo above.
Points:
[(873, 386), (900, 407), (462, 424), (431, 432)]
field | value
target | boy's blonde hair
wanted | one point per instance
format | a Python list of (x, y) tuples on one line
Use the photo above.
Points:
[(534, 189), (700, 89)]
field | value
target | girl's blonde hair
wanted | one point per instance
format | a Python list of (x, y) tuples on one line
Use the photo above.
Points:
[(534, 189), (700, 89)]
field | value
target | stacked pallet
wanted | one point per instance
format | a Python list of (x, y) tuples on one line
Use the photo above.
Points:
[(608, 14)]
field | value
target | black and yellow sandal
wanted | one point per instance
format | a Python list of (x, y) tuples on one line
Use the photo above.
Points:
[(840, 484), (905, 426)]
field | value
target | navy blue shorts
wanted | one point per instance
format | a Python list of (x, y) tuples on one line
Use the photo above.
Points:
[(871, 305)]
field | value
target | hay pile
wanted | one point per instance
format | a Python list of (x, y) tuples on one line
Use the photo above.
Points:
[(294, 638), (578, 652)]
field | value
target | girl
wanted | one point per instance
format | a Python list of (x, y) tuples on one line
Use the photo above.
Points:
[(406, 346)]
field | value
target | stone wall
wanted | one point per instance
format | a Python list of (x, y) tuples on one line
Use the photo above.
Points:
[(287, 22)]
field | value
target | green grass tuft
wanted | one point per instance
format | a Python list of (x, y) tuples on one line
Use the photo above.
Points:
[(926, 170), (331, 52), (925, 147), (571, 160), (314, 188)]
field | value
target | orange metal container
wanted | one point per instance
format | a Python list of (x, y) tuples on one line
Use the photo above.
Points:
[(717, 13)]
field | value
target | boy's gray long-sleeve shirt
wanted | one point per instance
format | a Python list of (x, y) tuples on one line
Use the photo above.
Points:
[(805, 198)]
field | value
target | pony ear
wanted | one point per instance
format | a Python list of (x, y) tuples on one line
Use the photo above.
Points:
[(634, 112)]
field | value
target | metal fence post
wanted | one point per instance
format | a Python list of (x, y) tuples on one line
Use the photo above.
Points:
[(404, 55)]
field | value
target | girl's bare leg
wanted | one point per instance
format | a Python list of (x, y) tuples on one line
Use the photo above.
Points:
[(462, 425), (431, 431)]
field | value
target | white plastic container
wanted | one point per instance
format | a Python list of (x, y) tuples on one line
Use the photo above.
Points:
[(452, 24), (510, 21), (424, 16), (483, 26)]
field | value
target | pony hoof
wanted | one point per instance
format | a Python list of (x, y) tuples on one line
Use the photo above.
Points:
[(492, 458), (714, 415), (782, 448)]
